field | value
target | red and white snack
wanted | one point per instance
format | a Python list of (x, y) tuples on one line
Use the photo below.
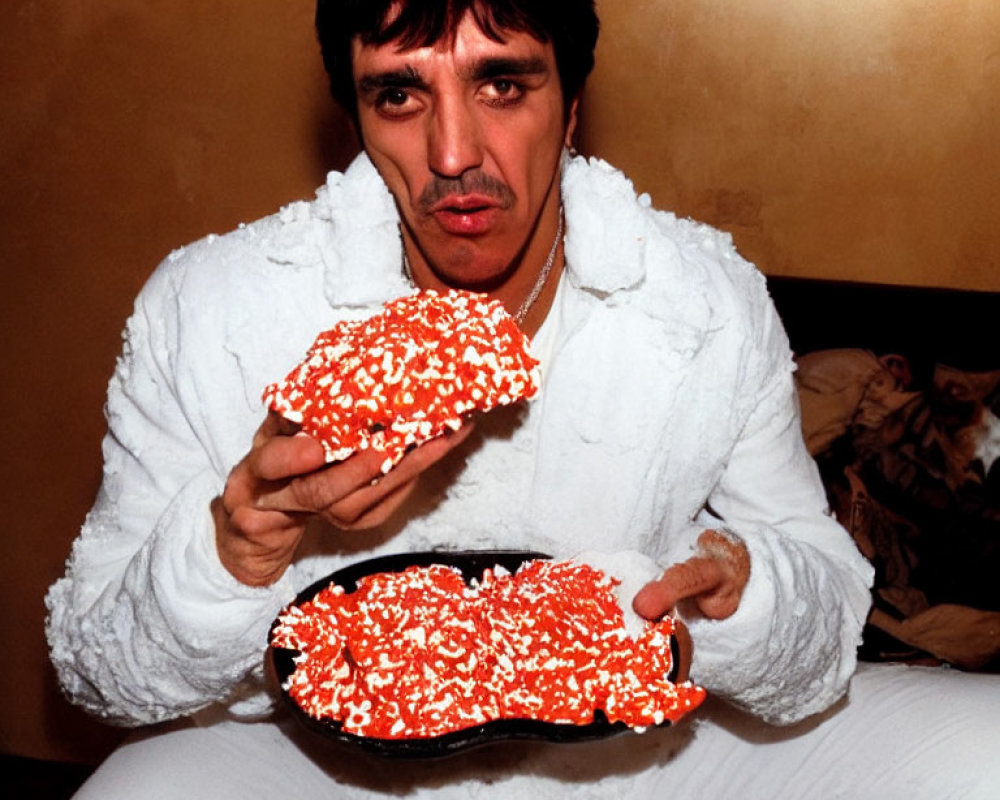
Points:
[(407, 374), (420, 654)]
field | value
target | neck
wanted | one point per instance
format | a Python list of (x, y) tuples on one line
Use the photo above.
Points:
[(526, 288)]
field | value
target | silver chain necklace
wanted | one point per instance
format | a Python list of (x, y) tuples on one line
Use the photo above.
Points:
[(536, 290)]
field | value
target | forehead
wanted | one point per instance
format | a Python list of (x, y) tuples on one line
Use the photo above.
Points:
[(463, 48)]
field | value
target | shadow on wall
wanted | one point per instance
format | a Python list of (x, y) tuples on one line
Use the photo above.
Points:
[(72, 734)]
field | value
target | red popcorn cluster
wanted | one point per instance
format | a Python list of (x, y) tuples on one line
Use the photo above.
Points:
[(420, 653), (406, 375)]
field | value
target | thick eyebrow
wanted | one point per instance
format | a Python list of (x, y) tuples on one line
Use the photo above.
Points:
[(406, 78), (488, 68), (503, 66)]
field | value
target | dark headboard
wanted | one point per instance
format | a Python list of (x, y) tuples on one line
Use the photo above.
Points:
[(955, 327)]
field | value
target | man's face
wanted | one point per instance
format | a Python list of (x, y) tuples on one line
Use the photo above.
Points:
[(467, 134)]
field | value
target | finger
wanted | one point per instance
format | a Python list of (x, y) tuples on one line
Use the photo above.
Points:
[(691, 578), (325, 488), (274, 425), (348, 510), (374, 515), (361, 507), (369, 485), (263, 528), (428, 454), (286, 456), (321, 488)]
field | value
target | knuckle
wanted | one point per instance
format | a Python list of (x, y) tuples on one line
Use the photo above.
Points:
[(344, 518), (229, 499), (314, 491), (359, 512), (247, 523)]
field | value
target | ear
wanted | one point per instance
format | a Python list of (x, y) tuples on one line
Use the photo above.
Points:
[(571, 117)]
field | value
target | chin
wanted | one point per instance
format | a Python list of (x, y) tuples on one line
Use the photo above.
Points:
[(463, 269), (474, 282)]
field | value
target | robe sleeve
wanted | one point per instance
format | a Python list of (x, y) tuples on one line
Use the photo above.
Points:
[(790, 649), (147, 624)]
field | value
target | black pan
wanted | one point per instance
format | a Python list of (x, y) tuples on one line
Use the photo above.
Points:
[(472, 564)]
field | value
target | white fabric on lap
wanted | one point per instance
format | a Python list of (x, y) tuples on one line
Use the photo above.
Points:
[(906, 733)]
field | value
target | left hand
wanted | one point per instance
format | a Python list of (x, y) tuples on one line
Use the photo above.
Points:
[(713, 580)]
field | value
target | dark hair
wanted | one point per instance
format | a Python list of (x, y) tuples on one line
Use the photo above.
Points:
[(571, 26)]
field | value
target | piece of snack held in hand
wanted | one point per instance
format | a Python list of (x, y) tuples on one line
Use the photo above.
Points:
[(406, 375)]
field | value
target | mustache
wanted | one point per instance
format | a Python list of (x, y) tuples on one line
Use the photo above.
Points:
[(473, 182)]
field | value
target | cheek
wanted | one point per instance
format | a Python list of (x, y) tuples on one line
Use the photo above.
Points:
[(543, 160), (528, 159), (398, 158)]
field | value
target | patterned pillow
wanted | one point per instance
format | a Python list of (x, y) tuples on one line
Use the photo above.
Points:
[(914, 474)]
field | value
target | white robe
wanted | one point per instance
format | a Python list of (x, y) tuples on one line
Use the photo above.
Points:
[(667, 406)]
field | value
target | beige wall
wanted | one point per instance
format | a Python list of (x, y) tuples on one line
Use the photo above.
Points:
[(128, 129), (853, 139)]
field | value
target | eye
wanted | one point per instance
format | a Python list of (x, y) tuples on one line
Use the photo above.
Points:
[(395, 102), (503, 92)]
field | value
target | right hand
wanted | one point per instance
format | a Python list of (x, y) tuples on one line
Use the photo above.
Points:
[(284, 481)]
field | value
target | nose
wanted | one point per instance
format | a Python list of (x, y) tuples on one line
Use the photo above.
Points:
[(454, 138)]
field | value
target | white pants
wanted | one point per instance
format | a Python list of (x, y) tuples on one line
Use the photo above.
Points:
[(911, 733)]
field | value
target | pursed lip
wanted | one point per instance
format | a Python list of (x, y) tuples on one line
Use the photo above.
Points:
[(467, 214)]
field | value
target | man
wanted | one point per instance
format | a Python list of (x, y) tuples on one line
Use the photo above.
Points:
[(468, 138), (666, 424)]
